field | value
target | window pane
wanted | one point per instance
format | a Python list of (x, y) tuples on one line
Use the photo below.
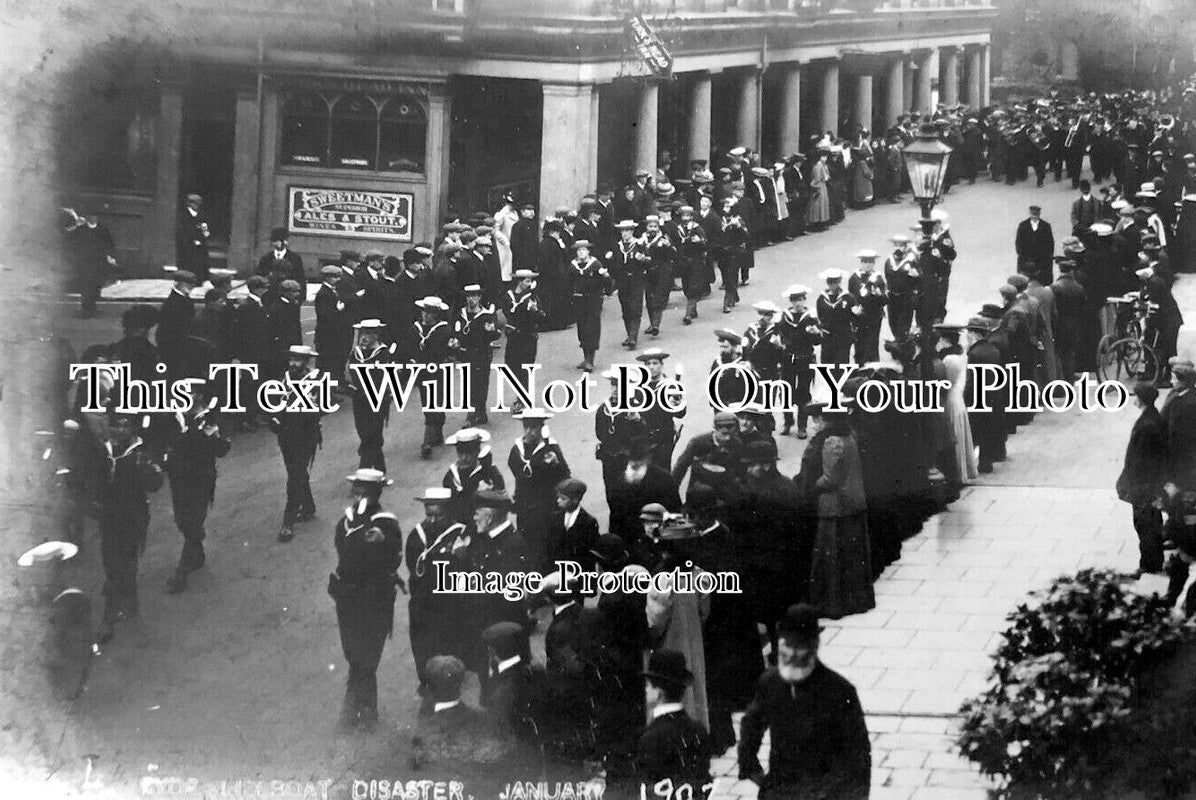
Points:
[(354, 132), (404, 132), (305, 130)]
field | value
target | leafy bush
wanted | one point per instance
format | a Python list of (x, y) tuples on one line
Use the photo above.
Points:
[(1063, 683)]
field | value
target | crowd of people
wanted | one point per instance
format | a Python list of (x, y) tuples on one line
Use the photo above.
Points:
[(807, 546)]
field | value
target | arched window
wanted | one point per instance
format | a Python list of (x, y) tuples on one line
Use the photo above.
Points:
[(354, 133), (402, 136), (305, 130)]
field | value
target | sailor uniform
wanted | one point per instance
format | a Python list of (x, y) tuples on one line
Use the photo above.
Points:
[(474, 332), (369, 423), (836, 318)]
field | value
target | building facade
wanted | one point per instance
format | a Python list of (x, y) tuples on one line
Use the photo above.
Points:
[(363, 123)]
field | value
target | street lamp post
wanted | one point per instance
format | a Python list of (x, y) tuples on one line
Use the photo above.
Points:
[(926, 159)]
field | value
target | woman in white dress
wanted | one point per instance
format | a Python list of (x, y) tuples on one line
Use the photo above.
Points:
[(956, 362)]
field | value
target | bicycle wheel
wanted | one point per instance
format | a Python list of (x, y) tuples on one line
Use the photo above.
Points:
[(1129, 361), (1104, 358)]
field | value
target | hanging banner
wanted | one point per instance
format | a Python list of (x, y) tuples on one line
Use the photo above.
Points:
[(350, 213), (649, 46)]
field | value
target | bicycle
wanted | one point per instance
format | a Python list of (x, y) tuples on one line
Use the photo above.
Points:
[(1123, 353)]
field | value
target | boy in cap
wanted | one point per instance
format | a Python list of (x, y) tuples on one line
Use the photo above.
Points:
[(673, 747), (523, 317), (613, 430), (469, 474), (658, 275), (433, 617), (299, 436), (800, 333), (368, 422), (628, 265), (731, 387), (836, 317), (125, 476), (510, 684), (762, 341), (432, 336), (733, 251), (196, 442), (192, 232), (904, 284), (867, 288), (587, 282), (475, 331), (281, 263), (574, 531), (334, 324), (538, 464), (659, 421), (369, 549), (175, 318), (450, 732), (690, 240)]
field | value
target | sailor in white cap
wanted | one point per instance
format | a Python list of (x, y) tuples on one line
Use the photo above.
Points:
[(762, 341), (523, 316), (369, 550), (432, 335), (368, 421), (538, 464), (690, 238), (587, 282), (475, 330), (660, 422), (904, 284), (659, 274), (469, 474), (299, 436), (127, 475), (628, 263), (836, 317), (868, 289), (434, 618), (800, 335)]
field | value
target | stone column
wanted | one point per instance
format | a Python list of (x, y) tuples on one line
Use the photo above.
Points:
[(950, 91), (975, 68), (440, 114), (645, 129), (565, 157), (863, 101), (699, 117), (896, 90), (790, 110), (747, 128), (246, 151), (923, 90), (167, 197), (985, 73), (595, 109), (830, 98), (907, 83)]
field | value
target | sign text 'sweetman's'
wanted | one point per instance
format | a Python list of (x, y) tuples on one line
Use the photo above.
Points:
[(350, 213)]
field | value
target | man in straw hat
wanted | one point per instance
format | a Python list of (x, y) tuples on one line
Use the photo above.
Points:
[(369, 550)]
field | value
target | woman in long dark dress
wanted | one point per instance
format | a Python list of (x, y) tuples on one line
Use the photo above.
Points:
[(841, 568)]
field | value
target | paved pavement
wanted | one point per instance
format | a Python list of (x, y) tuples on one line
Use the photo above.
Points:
[(241, 677)]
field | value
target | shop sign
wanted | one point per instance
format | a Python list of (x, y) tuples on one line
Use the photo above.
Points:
[(649, 46), (350, 213)]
